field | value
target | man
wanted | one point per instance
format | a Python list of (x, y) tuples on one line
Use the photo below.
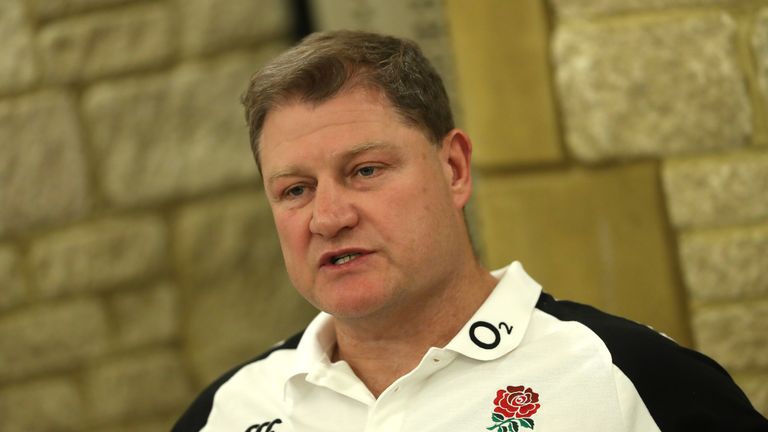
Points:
[(367, 179)]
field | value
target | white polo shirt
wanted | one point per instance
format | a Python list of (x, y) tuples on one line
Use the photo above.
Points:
[(524, 362)]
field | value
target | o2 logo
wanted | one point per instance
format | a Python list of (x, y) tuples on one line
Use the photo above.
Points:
[(495, 333), (264, 427)]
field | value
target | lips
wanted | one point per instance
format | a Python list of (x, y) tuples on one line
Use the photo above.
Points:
[(341, 257)]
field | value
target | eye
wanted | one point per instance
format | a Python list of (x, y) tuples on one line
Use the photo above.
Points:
[(294, 191), (367, 171)]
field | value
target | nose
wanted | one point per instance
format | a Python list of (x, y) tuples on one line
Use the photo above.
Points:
[(332, 211)]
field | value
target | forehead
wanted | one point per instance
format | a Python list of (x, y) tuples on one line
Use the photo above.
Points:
[(350, 118), (293, 118)]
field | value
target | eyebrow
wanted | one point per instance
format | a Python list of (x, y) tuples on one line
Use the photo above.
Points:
[(293, 170), (366, 147)]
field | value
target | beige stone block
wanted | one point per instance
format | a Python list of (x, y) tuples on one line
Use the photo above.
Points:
[(717, 190), (41, 406), (660, 87), (756, 389), (239, 319), (18, 68), (760, 52), (506, 91), (98, 255), (233, 234), (230, 244), (146, 316), (51, 337), (736, 335), (47, 9), (210, 25), (173, 135), (421, 21), (582, 8), (13, 288), (137, 386), (106, 43), (42, 169), (725, 264), (597, 236)]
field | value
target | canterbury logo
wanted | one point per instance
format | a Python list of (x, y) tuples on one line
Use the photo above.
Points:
[(264, 427)]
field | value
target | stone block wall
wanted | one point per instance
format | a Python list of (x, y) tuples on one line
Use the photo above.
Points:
[(137, 254), (681, 84)]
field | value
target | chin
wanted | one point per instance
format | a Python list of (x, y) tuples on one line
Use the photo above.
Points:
[(353, 310), (353, 307)]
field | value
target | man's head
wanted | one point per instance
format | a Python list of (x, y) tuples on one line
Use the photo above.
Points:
[(324, 64), (367, 196)]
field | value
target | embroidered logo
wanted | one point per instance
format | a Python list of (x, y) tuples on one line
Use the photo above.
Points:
[(264, 427), (490, 327), (514, 407)]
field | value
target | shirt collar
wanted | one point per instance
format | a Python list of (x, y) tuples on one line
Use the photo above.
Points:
[(315, 346), (313, 364), (495, 329), (500, 323)]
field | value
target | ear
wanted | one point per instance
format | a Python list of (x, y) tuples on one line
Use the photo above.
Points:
[(455, 156)]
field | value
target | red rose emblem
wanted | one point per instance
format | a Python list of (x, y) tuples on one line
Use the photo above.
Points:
[(516, 402)]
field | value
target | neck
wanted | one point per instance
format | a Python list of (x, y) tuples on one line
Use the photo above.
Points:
[(382, 349)]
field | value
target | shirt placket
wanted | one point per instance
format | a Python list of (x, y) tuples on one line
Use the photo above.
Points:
[(388, 413)]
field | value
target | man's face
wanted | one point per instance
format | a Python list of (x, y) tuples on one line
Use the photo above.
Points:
[(362, 203)]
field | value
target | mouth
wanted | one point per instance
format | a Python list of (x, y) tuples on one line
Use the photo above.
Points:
[(343, 259), (339, 258)]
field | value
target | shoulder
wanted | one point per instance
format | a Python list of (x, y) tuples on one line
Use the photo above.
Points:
[(682, 389), (196, 416)]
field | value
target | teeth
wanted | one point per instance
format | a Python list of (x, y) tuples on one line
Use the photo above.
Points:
[(344, 258)]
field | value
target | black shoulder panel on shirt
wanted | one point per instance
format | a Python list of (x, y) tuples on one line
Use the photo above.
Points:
[(683, 390), (196, 415)]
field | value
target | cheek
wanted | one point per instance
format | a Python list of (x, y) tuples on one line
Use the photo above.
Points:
[(291, 233), (294, 250)]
